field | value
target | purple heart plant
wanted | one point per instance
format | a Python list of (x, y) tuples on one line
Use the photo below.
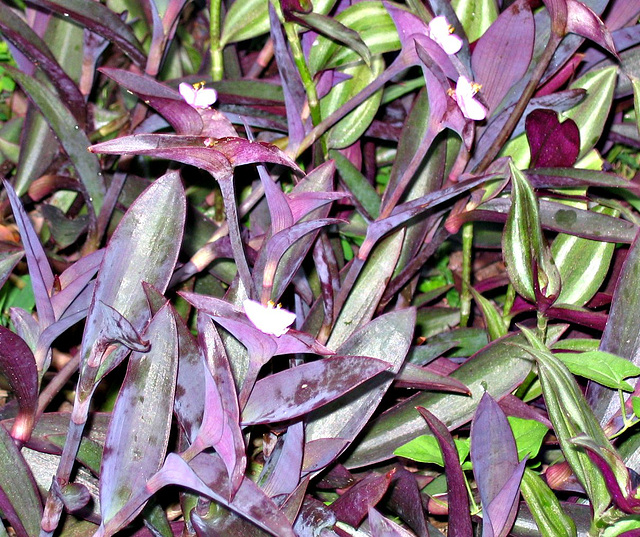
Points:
[(319, 268)]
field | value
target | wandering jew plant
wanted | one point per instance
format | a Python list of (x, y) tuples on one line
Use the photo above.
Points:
[(331, 267)]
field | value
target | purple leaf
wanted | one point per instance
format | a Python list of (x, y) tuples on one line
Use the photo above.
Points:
[(18, 366), (458, 500), (294, 94), (319, 453), (216, 155), (141, 421), (284, 465), (383, 527), (353, 506), (144, 247), (250, 501), (495, 466), (553, 144), (181, 116), (501, 512), (19, 496), (39, 268), (502, 55), (405, 500), (615, 473), (74, 496), (190, 385), (99, 19), (493, 452), (295, 392), (221, 417), (620, 335), (413, 376), (278, 244), (15, 30), (583, 21), (74, 280), (315, 518), (387, 338), (206, 475)]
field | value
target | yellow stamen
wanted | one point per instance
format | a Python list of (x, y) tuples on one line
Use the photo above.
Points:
[(451, 29), (199, 85), (476, 87)]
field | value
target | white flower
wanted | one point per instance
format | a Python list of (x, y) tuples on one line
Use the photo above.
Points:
[(464, 95), (197, 95), (442, 33), (270, 319)]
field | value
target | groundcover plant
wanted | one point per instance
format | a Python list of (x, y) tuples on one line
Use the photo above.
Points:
[(320, 268)]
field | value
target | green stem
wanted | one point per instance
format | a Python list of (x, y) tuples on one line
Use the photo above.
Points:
[(521, 105), (303, 69), (465, 295), (217, 62)]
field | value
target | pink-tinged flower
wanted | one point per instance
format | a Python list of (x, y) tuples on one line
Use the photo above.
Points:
[(270, 319), (197, 95), (464, 95), (442, 33)]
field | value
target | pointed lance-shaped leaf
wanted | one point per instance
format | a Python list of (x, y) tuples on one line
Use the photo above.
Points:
[(495, 465), (570, 415), (526, 254), (20, 34), (221, 420), (39, 268), (100, 19), (139, 431), (460, 524), (181, 116), (583, 21), (300, 390), (19, 496), (353, 506), (18, 366), (144, 248)]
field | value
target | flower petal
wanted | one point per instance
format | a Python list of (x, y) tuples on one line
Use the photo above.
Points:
[(440, 32), (188, 93), (465, 97), (267, 319), (205, 97)]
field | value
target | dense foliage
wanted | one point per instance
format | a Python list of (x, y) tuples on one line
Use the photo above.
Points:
[(341, 268)]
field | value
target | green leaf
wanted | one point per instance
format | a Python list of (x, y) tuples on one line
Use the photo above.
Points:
[(635, 82), (591, 114), (602, 367), (357, 184), (371, 21), (577, 345), (366, 293), (583, 264), (523, 242), (387, 338), (73, 139), (496, 326), (571, 415), (551, 520), (498, 368), (635, 403), (426, 449), (337, 31), (529, 435), (619, 527), (18, 487), (475, 16), (353, 125)]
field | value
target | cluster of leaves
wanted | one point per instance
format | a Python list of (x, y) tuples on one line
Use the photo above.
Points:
[(427, 191)]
